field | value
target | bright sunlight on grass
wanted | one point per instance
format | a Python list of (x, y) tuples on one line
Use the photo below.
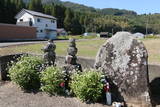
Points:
[(86, 48)]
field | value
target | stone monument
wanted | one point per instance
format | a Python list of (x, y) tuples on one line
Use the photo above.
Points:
[(72, 50), (49, 53), (124, 61), (71, 58), (71, 66)]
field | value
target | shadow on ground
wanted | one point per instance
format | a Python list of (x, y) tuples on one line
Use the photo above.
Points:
[(155, 91)]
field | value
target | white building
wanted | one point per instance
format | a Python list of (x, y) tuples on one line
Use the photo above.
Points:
[(46, 25)]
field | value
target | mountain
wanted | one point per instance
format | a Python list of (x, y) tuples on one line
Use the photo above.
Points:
[(45, 1), (83, 8), (79, 7), (106, 11), (117, 12)]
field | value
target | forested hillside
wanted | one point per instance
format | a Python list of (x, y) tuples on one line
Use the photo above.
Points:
[(77, 19)]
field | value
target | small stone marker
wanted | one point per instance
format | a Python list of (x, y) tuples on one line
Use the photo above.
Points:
[(124, 61)]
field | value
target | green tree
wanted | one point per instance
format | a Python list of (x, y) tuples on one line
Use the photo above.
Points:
[(76, 27), (68, 19), (35, 5)]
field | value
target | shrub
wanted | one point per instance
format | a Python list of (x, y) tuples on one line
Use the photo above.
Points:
[(25, 72), (51, 79), (87, 86), (151, 37)]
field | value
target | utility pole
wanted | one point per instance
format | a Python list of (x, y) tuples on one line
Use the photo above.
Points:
[(147, 25)]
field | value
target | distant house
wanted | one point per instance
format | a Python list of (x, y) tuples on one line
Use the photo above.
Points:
[(46, 25), (61, 32)]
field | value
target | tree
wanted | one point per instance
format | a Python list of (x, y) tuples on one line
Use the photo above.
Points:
[(68, 19), (19, 4), (76, 27), (35, 5)]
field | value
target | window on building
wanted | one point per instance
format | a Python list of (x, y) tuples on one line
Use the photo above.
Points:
[(52, 21), (37, 31), (38, 20), (41, 30), (46, 25), (21, 20)]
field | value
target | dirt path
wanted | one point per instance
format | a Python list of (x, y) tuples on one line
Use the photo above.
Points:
[(12, 96)]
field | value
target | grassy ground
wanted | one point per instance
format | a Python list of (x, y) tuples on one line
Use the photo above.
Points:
[(86, 48)]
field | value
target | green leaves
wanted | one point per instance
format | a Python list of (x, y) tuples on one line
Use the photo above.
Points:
[(25, 72), (51, 79), (87, 86)]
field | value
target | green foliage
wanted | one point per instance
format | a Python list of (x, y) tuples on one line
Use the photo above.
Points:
[(35, 5), (68, 19), (152, 37), (78, 19), (87, 86), (25, 72), (118, 12), (51, 79)]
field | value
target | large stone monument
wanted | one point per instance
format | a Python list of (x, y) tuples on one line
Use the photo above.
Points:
[(49, 53), (124, 61)]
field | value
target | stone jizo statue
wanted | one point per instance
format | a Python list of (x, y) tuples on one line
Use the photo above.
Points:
[(49, 53), (71, 51), (71, 58)]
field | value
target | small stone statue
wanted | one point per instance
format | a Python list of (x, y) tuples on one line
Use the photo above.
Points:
[(72, 51), (49, 53), (71, 63), (71, 58)]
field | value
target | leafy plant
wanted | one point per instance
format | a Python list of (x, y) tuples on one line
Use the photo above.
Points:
[(52, 81), (25, 72), (87, 86)]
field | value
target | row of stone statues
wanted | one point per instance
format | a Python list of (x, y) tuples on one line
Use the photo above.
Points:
[(70, 60)]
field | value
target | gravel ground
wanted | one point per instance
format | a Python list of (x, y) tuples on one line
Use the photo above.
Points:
[(12, 96)]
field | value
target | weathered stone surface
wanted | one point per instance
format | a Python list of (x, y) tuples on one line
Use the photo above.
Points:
[(124, 60)]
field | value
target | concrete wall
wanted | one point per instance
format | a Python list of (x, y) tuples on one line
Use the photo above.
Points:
[(154, 70), (4, 61), (14, 32)]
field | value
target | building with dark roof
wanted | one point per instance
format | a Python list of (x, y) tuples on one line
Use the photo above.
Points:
[(46, 25)]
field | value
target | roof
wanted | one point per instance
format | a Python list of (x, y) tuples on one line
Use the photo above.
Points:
[(36, 14)]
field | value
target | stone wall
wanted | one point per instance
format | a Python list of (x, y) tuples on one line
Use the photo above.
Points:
[(4, 61)]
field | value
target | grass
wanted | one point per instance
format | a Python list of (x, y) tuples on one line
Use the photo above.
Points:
[(153, 48), (86, 48), (77, 37)]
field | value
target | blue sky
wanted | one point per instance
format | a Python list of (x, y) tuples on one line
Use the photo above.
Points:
[(140, 6)]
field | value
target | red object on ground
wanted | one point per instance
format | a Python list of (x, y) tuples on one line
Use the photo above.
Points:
[(62, 84), (106, 88)]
